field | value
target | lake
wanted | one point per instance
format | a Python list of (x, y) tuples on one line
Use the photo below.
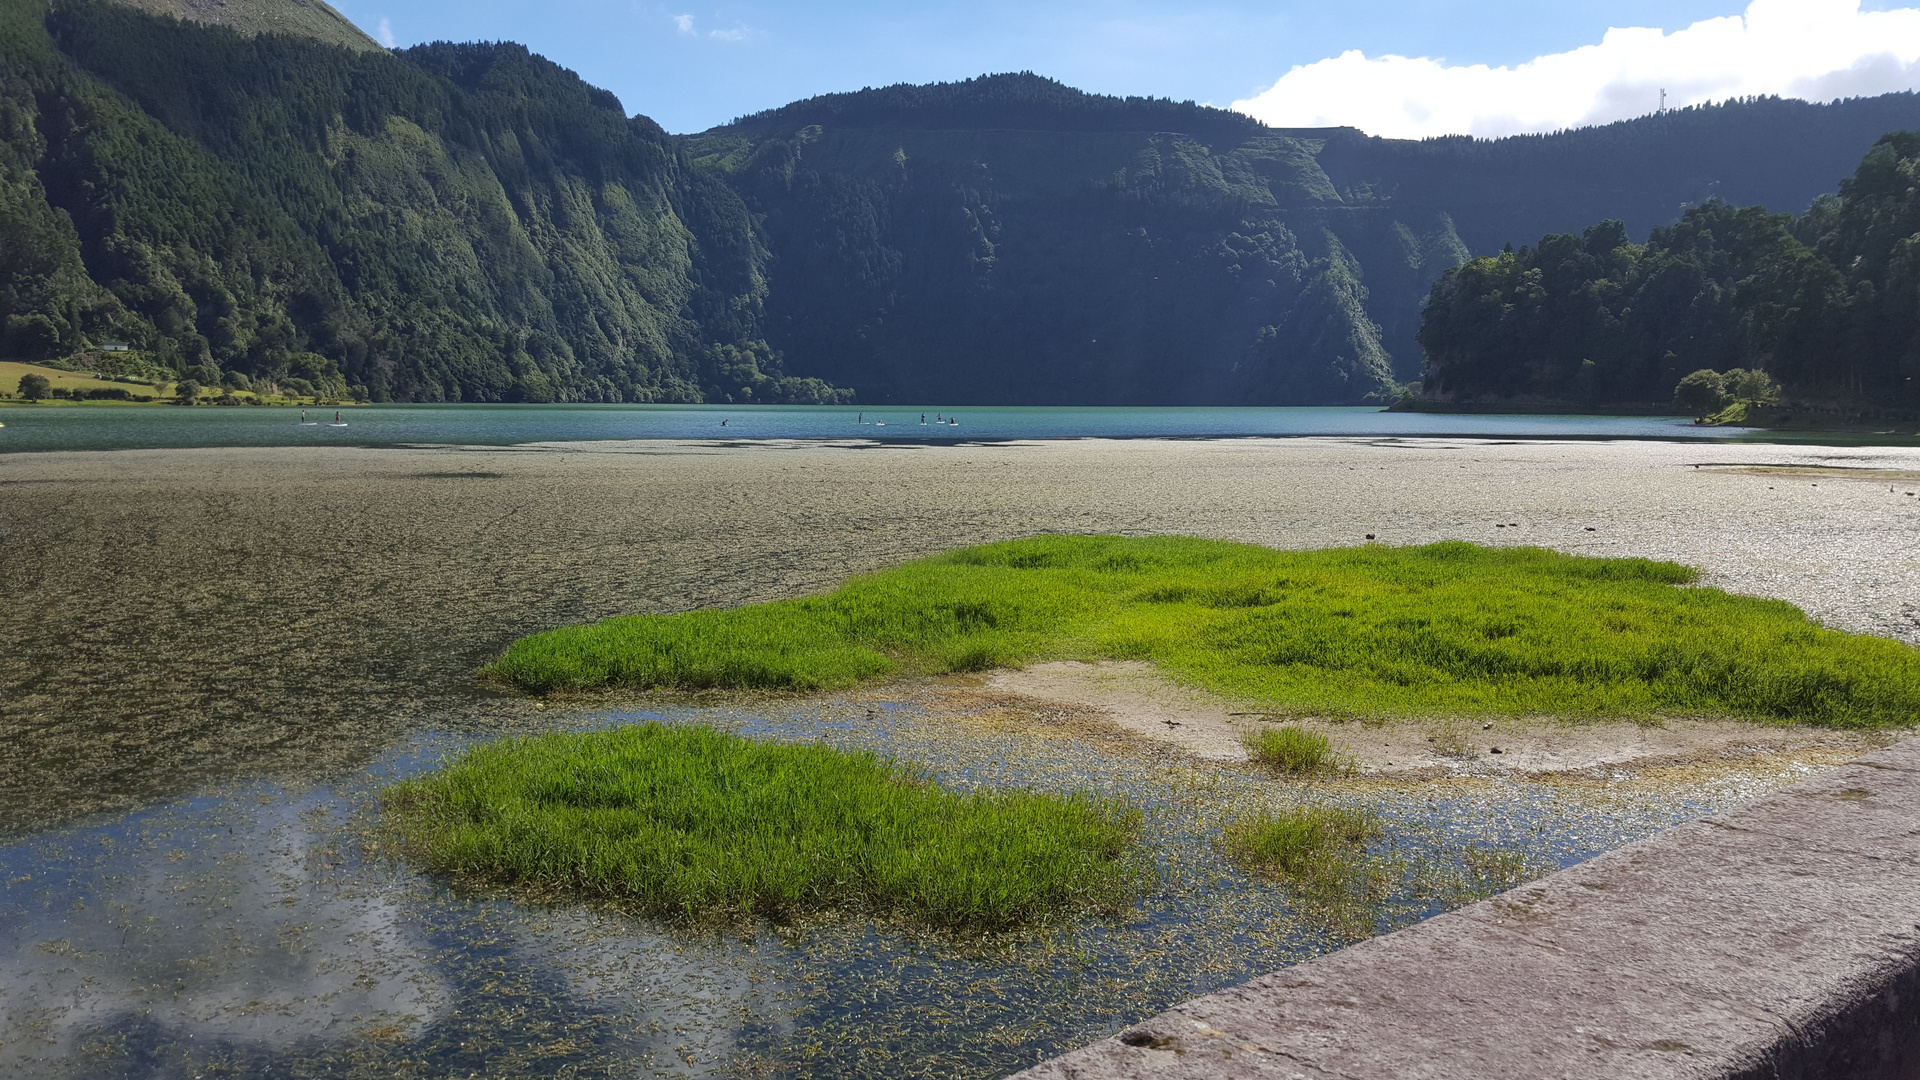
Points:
[(31, 428)]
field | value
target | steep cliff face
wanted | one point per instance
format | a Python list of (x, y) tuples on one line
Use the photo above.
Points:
[(458, 223)]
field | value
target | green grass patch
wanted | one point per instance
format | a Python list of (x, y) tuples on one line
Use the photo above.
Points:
[(696, 823), (1309, 843), (1445, 629), (1293, 750)]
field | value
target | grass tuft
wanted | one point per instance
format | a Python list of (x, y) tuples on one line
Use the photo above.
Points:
[(1293, 750), (1445, 629), (696, 823), (1308, 845), (1321, 855)]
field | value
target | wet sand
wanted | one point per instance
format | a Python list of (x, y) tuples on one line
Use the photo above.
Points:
[(1131, 701), (176, 619)]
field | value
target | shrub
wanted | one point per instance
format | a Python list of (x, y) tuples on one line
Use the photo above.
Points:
[(35, 387), (186, 392)]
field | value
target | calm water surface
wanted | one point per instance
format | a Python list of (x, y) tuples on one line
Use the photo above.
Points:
[(123, 428)]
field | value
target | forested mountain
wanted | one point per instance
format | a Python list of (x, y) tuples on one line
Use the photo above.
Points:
[(461, 223), (1826, 303), (1009, 238), (475, 223)]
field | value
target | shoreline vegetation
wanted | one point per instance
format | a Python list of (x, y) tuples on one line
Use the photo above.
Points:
[(1744, 316), (1372, 632), (25, 385), (694, 823), (1800, 418)]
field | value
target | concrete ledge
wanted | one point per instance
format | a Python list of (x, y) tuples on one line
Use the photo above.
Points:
[(1781, 940)]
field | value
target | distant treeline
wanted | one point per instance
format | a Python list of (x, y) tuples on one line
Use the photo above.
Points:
[(1827, 303)]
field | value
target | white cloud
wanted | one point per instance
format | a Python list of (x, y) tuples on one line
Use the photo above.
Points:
[(1813, 49), (386, 33), (685, 23)]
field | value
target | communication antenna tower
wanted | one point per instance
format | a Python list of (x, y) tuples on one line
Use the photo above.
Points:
[(1663, 99)]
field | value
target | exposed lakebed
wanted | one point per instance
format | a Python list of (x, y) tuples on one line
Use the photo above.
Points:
[(217, 656)]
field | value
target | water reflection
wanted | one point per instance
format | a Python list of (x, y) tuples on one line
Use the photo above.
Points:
[(260, 931)]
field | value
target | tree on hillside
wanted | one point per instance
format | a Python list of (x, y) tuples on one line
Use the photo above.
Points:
[(34, 387)]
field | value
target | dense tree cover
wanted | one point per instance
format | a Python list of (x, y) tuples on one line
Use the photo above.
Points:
[(1827, 304), (459, 223), (308, 18), (1008, 238), (475, 223)]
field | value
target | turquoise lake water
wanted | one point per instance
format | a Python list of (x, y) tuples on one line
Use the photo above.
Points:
[(30, 428)]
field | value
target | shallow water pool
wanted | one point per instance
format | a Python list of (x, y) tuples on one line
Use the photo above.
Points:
[(259, 930)]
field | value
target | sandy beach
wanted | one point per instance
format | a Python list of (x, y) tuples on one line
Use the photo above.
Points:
[(179, 618)]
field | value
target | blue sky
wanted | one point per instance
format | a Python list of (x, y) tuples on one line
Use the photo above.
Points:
[(691, 64)]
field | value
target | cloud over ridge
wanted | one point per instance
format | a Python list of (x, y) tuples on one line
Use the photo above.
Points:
[(1812, 49)]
